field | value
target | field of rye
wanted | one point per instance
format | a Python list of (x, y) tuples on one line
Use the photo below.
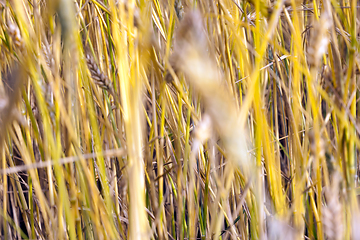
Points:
[(179, 119)]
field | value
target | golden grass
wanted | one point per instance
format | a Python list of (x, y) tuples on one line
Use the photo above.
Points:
[(179, 119)]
